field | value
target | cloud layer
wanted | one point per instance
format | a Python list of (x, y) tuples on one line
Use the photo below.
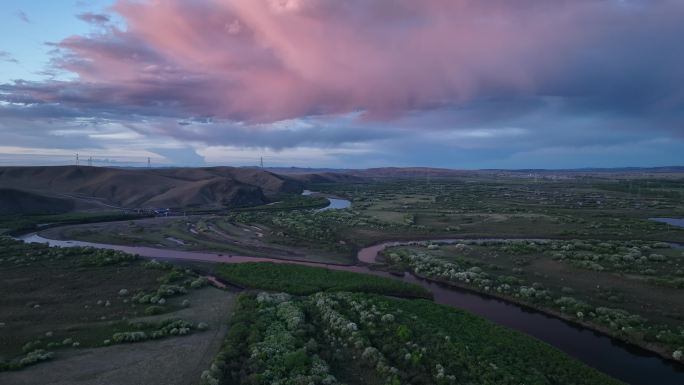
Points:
[(286, 73)]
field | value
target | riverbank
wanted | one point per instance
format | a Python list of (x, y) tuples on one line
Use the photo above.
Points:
[(662, 353), (548, 289), (507, 313)]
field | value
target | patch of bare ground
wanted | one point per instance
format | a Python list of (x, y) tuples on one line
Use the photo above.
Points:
[(634, 293), (171, 361)]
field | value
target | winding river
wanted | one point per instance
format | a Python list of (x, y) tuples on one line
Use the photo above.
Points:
[(677, 222), (334, 203), (628, 363)]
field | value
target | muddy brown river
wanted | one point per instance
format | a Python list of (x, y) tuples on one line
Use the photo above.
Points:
[(626, 362)]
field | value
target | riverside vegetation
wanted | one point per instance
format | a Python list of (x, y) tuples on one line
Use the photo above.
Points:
[(602, 263), (334, 338), (634, 290), (60, 299)]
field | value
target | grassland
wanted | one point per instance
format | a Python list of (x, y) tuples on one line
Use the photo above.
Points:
[(633, 290), (26, 223), (60, 304), (303, 280), (487, 207), (335, 338), (198, 233), (582, 208), (602, 264)]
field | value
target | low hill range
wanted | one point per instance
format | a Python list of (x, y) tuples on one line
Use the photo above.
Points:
[(61, 189), (422, 172), (65, 188)]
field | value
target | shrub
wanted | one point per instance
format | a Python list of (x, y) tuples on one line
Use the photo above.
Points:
[(199, 282), (202, 326), (154, 310), (129, 337), (298, 279), (35, 357)]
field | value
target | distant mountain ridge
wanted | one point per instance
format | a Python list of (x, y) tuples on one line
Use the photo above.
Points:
[(389, 172), (211, 187)]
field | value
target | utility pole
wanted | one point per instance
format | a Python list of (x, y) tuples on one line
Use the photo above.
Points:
[(77, 161)]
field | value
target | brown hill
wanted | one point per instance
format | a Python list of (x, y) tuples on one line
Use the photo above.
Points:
[(14, 202), (212, 187), (409, 172), (326, 177)]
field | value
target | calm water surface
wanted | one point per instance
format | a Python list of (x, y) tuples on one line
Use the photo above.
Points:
[(625, 362), (335, 203), (679, 222)]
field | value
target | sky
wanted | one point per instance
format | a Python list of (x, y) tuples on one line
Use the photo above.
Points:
[(463, 84)]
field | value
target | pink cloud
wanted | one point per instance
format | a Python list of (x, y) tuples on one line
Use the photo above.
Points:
[(268, 60)]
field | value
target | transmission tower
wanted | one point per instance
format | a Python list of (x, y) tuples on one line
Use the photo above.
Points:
[(90, 161), (77, 161), (261, 162), (149, 162)]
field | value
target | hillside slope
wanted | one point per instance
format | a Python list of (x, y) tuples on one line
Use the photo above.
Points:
[(14, 202), (213, 187)]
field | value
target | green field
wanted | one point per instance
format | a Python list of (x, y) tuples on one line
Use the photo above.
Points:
[(304, 280), (633, 290), (59, 301), (599, 261), (335, 338)]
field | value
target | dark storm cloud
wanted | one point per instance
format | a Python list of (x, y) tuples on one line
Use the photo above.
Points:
[(513, 75)]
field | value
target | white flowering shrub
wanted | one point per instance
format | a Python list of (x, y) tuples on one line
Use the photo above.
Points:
[(199, 283), (351, 324), (153, 330), (678, 355), (35, 357)]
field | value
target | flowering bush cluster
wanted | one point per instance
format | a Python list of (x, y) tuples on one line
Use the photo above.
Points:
[(629, 256), (288, 340), (22, 254), (584, 253), (429, 266), (166, 290), (151, 331), (356, 326), (31, 358), (268, 343), (301, 227)]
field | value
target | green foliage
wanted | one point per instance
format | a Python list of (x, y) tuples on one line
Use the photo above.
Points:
[(296, 202), (277, 338), (268, 342), (154, 310), (143, 331), (23, 254), (297, 279), (26, 223), (31, 358), (635, 257)]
